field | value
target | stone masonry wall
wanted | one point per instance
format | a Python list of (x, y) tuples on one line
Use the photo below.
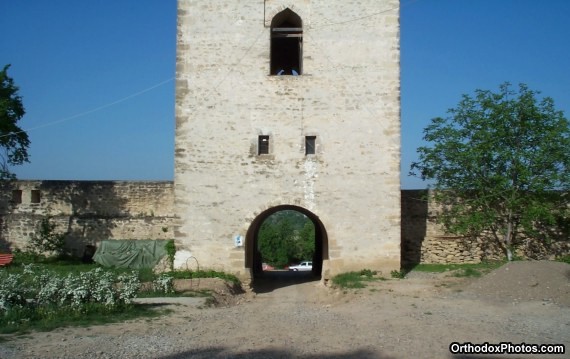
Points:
[(423, 241), (89, 211)]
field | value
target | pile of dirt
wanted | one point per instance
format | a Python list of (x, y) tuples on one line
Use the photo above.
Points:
[(524, 281)]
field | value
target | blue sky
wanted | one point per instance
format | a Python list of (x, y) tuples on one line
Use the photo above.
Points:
[(96, 77)]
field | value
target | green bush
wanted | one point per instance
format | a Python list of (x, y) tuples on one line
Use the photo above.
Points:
[(26, 257), (170, 252), (46, 239), (399, 274)]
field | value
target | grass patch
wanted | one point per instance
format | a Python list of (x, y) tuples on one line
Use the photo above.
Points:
[(564, 259), (354, 280), (467, 272), (46, 319), (468, 269)]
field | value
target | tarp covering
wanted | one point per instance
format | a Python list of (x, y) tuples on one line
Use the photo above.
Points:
[(134, 254)]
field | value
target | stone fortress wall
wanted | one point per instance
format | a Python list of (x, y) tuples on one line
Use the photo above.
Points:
[(91, 211), (424, 241)]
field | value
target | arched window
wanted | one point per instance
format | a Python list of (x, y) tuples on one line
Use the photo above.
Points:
[(286, 44)]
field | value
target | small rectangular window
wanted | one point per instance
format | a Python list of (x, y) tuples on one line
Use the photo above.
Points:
[(36, 196), (17, 196), (310, 145), (263, 145)]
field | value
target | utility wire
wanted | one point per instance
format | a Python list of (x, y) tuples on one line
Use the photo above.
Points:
[(81, 114), (214, 88)]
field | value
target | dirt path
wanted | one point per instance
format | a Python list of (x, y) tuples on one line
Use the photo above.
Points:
[(417, 317)]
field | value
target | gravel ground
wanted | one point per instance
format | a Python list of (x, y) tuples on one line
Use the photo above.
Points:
[(290, 318)]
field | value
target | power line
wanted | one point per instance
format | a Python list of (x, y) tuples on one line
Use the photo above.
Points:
[(172, 78), (81, 114)]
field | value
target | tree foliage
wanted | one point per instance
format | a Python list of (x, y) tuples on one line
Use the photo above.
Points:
[(501, 165), (46, 240), (13, 141), (286, 237)]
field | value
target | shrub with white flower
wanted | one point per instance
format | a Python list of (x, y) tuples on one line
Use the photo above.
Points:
[(12, 294), (45, 288), (48, 288), (164, 284), (129, 288), (102, 285)]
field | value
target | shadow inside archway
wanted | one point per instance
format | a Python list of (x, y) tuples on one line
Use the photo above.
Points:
[(269, 281)]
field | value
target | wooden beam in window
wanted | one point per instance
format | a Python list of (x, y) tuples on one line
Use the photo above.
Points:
[(286, 35), (287, 29)]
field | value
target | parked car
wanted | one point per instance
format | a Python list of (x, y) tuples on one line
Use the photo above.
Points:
[(302, 267)]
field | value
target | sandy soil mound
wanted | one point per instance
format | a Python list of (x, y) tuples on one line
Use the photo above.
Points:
[(523, 282)]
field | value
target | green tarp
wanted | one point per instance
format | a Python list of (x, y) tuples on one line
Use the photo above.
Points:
[(135, 254)]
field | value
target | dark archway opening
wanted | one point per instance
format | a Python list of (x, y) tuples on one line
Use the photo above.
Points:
[(286, 44), (259, 250)]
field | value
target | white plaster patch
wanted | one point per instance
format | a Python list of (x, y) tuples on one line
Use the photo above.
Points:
[(309, 183), (183, 260)]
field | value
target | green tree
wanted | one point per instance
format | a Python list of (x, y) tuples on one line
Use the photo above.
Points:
[(272, 244), (13, 141), (46, 240), (286, 237), (500, 164), (305, 245)]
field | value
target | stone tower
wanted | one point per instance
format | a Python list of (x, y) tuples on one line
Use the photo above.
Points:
[(288, 104)]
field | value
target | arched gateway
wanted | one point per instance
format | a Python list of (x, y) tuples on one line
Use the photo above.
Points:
[(321, 137), (253, 259)]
